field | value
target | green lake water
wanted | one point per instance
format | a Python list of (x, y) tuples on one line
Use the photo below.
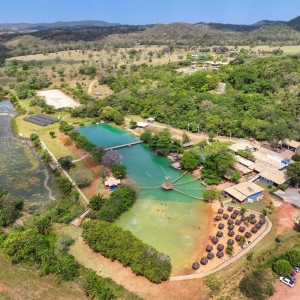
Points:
[(171, 222), (21, 171)]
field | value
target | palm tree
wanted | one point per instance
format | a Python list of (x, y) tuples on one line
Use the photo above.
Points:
[(242, 241), (243, 210), (66, 162), (229, 249)]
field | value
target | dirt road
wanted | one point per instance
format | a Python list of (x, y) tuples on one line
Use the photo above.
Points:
[(285, 292)]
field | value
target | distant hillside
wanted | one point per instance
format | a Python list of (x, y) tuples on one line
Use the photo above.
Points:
[(267, 22), (28, 27), (294, 23)]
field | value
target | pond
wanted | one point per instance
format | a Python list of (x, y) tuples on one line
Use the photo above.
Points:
[(171, 222), (21, 171)]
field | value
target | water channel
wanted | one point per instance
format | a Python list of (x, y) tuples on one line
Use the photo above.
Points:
[(171, 222), (21, 171)]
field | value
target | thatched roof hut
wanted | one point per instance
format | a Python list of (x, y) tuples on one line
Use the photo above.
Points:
[(248, 235), (196, 266), (218, 218), (258, 226), (221, 225), (238, 238), (219, 234), (220, 211), (230, 242), (230, 222), (254, 229), (242, 229), (238, 222), (231, 233), (215, 240), (220, 247), (233, 216), (209, 248), (225, 216), (230, 227), (220, 254), (204, 261)]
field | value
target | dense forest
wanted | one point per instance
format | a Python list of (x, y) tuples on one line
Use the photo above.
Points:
[(261, 101)]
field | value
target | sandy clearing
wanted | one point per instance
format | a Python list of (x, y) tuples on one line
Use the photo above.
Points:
[(58, 99)]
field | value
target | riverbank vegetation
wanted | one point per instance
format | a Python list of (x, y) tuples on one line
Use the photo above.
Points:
[(143, 259)]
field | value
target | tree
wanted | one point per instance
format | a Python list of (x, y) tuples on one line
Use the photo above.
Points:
[(243, 210), (278, 132), (132, 124), (82, 179), (293, 256), (66, 267), (96, 202), (296, 157), (146, 136), (236, 176), (242, 241), (111, 157), (211, 194), (163, 142), (282, 267), (66, 162), (52, 134), (118, 170), (190, 160), (293, 172), (229, 249), (97, 154)]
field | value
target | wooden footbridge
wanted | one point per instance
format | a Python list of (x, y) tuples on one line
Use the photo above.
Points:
[(124, 145)]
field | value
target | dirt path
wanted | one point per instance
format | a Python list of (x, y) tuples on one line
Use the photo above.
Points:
[(136, 284), (90, 88)]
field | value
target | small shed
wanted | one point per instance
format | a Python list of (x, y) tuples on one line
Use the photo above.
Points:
[(142, 124), (112, 182), (151, 120)]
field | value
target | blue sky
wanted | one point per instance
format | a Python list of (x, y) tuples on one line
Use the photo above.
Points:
[(148, 12)]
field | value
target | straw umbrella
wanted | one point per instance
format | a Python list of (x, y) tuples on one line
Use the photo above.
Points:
[(215, 240), (230, 222), (220, 254), (210, 255), (248, 235), (221, 225), (220, 211), (219, 234), (242, 229), (209, 248), (204, 261), (258, 226), (230, 227), (218, 218), (220, 247), (262, 221), (233, 216), (254, 229), (230, 208), (238, 222), (253, 221), (231, 233), (236, 211), (225, 216), (252, 216), (230, 242), (243, 218), (196, 266), (238, 238)]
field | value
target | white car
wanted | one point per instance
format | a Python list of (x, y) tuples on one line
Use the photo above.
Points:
[(297, 269), (286, 281)]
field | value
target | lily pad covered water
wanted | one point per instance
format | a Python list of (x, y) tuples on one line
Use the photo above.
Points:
[(170, 221), (21, 172)]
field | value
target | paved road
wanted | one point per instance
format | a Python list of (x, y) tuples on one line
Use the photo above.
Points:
[(66, 173), (230, 261)]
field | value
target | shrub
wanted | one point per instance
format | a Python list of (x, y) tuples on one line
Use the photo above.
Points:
[(64, 242), (293, 257), (118, 202), (296, 157), (282, 267), (66, 267), (96, 202), (82, 179), (283, 186), (118, 170), (279, 239), (211, 194), (143, 259), (189, 160)]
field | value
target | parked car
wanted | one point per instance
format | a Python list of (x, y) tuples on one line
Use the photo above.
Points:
[(291, 277), (286, 281), (297, 269)]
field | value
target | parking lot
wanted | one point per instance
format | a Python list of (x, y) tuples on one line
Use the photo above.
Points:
[(291, 195)]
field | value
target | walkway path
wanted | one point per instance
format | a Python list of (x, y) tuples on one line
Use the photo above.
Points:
[(81, 158), (66, 173), (77, 222), (230, 261), (90, 88)]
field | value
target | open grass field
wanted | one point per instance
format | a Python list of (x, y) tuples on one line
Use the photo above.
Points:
[(21, 283), (286, 49)]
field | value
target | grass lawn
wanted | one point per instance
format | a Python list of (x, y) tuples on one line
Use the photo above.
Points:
[(20, 283)]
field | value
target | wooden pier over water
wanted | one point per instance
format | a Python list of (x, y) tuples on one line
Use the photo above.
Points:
[(124, 145)]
